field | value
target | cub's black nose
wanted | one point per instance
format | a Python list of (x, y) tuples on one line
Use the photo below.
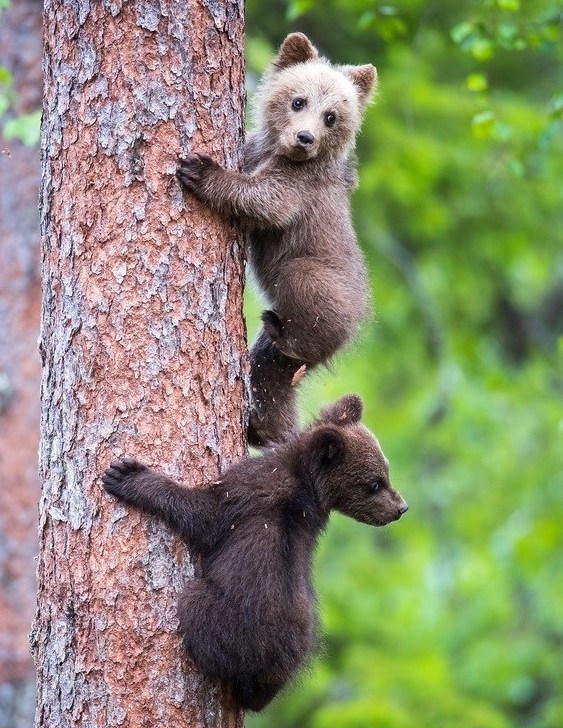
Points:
[(305, 137), (404, 508)]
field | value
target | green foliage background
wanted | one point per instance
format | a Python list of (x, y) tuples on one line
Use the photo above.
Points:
[(454, 616)]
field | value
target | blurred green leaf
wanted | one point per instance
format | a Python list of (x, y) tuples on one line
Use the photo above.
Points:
[(481, 49), (512, 6), (26, 128), (507, 34), (483, 124), (297, 8), (462, 31), (385, 20), (556, 106), (476, 82)]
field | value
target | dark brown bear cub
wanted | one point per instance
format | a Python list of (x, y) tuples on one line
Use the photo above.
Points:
[(293, 198), (248, 620)]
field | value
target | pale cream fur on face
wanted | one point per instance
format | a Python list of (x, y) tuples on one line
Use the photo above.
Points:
[(324, 89)]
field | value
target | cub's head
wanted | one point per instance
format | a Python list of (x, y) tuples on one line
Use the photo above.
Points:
[(308, 108), (350, 467)]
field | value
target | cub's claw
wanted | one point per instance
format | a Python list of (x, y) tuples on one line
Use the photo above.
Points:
[(193, 169), (118, 476)]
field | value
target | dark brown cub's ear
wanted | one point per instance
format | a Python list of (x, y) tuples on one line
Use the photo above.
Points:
[(345, 411), (296, 48), (364, 79), (326, 448)]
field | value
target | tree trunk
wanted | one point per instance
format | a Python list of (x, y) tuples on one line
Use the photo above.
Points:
[(20, 294), (142, 343)]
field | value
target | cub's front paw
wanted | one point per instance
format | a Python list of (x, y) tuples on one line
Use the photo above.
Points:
[(119, 478), (194, 169)]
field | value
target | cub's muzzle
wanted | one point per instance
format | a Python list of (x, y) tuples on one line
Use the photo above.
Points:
[(304, 139)]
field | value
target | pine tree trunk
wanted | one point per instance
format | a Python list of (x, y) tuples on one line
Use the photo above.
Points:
[(20, 295), (142, 343)]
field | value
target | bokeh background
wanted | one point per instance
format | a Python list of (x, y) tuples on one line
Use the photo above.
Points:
[(453, 617)]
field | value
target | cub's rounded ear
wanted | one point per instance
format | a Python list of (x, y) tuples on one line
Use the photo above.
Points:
[(296, 48), (345, 411), (364, 79), (326, 447)]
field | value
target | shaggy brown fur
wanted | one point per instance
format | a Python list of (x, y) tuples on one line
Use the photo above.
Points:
[(248, 620), (293, 197)]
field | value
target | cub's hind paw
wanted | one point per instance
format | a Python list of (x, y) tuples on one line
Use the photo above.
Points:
[(299, 374), (118, 477)]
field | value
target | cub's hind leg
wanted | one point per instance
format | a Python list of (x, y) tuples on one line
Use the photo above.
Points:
[(201, 627), (273, 377), (254, 693), (317, 310)]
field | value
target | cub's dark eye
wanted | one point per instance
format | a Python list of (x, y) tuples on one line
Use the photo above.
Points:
[(376, 485), (330, 118), (298, 104)]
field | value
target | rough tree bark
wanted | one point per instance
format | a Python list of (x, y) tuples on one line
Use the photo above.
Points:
[(20, 44), (142, 343)]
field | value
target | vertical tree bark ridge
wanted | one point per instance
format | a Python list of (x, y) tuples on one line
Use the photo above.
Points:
[(20, 41), (142, 342)]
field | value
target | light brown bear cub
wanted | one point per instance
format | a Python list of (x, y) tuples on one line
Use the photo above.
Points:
[(293, 198)]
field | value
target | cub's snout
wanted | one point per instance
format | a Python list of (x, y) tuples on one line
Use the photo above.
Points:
[(305, 139), (404, 507)]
